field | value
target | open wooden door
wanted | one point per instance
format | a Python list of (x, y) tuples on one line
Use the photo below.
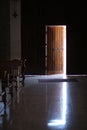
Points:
[(55, 49)]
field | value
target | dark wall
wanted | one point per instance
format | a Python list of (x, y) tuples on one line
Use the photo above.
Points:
[(4, 29), (32, 38), (35, 15), (76, 39)]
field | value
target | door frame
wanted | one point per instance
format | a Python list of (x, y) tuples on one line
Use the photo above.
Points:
[(64, 46)]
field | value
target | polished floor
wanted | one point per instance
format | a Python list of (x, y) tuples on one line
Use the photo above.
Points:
[(45, 105)]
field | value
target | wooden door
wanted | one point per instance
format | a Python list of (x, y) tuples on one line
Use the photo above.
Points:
[(55, 50)]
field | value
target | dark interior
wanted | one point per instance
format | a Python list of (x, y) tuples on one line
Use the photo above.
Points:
[(34, 16)]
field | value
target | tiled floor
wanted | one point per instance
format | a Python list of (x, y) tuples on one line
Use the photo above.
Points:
[(45, 105)]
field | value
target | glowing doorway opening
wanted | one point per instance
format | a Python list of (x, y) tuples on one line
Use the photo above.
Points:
[(64, 46), (62, 121)]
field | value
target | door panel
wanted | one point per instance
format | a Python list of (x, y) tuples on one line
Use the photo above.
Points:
[(56, 38)]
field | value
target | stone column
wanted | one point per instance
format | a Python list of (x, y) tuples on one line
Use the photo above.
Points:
[(15, 29)]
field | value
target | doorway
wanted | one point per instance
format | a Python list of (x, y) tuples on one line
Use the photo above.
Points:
[(55, 49)]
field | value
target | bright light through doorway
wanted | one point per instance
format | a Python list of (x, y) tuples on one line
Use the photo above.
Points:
[(64, 44)]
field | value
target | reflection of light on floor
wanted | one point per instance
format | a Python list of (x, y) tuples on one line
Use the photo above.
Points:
[(4, 113), (61, 121), (1, 111)]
